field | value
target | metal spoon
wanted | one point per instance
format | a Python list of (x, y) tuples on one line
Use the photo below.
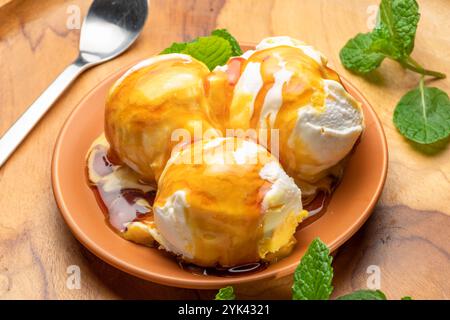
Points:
[(109, 28)]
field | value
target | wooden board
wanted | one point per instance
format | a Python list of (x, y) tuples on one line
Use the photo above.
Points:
[(407, 237)]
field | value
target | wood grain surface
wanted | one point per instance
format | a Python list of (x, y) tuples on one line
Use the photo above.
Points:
[(407, 238)]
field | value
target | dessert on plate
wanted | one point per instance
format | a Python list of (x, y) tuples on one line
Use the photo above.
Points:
[(217, 167)]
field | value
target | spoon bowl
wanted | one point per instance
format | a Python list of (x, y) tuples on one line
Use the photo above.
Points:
[(110, 27)]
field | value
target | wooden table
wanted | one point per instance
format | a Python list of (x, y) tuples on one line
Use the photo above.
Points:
[(408, 236)]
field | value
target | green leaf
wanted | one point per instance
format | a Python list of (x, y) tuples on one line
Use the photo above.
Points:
[(423, 115), (212, 51), (226, 293), (386, 46), (364, 295), (313, 276), (176, 47), (359, 56), (398, 20), (235, 47), (407, 298)]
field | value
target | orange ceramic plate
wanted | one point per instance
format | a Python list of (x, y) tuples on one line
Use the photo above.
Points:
[(350, 205)]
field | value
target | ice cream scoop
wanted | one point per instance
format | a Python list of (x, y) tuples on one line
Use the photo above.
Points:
[(287, 85), (150, 106), (238, 206)]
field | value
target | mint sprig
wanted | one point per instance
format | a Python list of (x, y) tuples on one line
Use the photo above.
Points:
[(313, 276), (393, 37), (213, 50), (422, 115), (226, 293)]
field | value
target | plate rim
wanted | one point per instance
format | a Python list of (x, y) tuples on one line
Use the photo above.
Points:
[(201, 283)]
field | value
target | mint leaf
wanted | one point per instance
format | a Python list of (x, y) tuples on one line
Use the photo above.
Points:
[(382, 44), (423, 115), (226, 293), (313, 276), (212, 51), (398, 20), (407, 298), (235, 47), (359, 56), (364, 295), (176, 47)]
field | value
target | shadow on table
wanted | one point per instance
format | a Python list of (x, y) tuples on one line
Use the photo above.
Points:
[(430, 149)]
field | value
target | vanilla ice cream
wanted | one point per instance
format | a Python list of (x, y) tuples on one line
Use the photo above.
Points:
[(287, 85), (148, 104), (237, 207)]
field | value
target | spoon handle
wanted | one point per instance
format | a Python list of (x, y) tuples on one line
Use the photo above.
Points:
[(20, 129)]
